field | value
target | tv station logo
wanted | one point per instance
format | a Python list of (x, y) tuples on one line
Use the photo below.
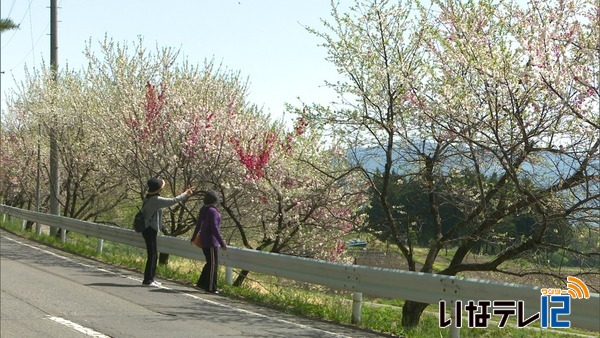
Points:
[(555, 305)]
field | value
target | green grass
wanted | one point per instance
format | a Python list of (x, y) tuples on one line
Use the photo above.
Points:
[(311, 301)]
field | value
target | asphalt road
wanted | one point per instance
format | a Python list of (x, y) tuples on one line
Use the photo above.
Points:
[(48, 293)]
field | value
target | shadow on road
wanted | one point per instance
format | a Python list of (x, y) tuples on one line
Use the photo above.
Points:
[(115, 285)]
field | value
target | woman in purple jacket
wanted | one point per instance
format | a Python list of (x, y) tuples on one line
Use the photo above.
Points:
[(208, 227)]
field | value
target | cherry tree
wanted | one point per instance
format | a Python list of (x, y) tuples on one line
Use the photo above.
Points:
[(165, 118), (18, 155), (498, 91), (64, 108), (194, 126), (296, 194)]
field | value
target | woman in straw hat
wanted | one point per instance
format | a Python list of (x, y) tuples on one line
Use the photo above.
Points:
[(153, 203)]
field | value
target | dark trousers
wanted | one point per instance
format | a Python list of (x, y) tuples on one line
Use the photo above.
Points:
[(152, 254), (208, 276)]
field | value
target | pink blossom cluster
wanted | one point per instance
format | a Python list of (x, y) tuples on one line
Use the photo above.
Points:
[(189, 146), (194, 135), (299, 130), (255, 160), (337, 251), (153, 125)]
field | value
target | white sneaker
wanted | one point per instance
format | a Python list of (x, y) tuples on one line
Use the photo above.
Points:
[(155, 284)]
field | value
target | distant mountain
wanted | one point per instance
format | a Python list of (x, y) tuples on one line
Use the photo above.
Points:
[(546, 169)]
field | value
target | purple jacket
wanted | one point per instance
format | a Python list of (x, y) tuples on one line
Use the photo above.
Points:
[(210, 222)]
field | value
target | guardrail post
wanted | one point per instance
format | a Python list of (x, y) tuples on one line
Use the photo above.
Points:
[(100, 245), (356, 307), (63, 235), (228, 275), (23, 224), (454, 328), (38, 228)]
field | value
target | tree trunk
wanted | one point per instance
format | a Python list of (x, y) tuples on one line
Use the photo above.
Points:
[(411, 313), (241, 278), (163, 259)]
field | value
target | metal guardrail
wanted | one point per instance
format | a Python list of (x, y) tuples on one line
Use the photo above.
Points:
[(373, 281)]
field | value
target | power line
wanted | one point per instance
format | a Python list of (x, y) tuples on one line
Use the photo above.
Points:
[(33, 45), (23, 18), (31, 35), (11, 8), (32, 48)]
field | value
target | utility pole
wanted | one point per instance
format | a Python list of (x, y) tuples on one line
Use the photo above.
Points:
[(54, 172)]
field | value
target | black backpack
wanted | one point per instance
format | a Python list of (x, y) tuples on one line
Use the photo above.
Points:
[(139, 222)]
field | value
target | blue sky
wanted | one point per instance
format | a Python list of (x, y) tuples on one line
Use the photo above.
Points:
[(263, 39)]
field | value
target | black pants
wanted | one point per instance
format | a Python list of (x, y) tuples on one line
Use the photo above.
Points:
[(152, 254), (208, 276)]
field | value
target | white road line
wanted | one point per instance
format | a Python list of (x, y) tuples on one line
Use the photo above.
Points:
[(260, 315), (85, 330)]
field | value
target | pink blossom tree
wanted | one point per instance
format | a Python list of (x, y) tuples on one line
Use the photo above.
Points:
[(501, 90), (298, 196), (166, 118), (18, 155)]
